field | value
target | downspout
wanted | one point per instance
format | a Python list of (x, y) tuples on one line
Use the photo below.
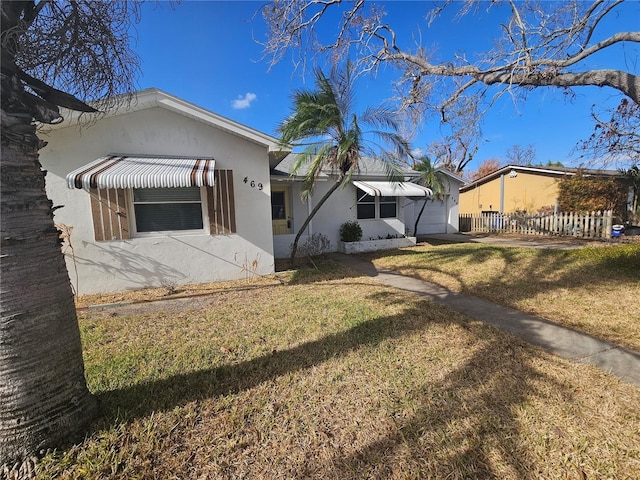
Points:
[(502, 193)]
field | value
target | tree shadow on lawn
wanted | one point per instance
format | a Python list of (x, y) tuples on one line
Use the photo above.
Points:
[(141, 399), (466, 426), (545, 265), (465, 420)]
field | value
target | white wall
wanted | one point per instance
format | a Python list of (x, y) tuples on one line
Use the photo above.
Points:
[(439, 216), (433, 219), (453, 209), (161, 260), (339, 208)]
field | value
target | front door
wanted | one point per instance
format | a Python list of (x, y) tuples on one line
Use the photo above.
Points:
[(280, 214)]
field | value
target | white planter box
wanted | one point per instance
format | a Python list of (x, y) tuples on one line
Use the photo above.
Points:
[(374, 245)]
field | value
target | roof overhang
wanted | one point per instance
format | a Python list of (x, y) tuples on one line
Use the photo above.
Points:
[(124, 171), (392, 189), (152, 98)]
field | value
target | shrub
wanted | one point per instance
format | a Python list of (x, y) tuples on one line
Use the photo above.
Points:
[(350, 231), (585, 194), (316, 244)]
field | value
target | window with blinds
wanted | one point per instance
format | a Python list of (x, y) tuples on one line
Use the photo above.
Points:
[(168, 209), (149, 210)]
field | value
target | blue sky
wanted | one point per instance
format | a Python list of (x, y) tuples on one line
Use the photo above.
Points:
[(206, 52)]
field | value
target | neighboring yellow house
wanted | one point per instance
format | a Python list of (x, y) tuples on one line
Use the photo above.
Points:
[(515, 187)]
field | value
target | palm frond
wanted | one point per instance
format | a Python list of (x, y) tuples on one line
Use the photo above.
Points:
[(324, 123)]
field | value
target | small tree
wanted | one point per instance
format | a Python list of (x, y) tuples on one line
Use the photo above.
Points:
[(519, 155), (430, 177), (633, 177), (324, 124), (487, 167)]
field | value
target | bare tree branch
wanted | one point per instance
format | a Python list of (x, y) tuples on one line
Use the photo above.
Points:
[(543, 44)]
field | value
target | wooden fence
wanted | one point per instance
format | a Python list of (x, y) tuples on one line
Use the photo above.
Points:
[(588, 225)]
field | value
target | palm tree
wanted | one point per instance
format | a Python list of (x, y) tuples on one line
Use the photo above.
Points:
[(325, 125), (432, 177), (81, 47)]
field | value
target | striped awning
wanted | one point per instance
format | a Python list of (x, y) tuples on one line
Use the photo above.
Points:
[(393, 189), (117, 171)]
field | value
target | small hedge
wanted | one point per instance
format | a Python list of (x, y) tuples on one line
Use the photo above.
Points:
[(350, 231)]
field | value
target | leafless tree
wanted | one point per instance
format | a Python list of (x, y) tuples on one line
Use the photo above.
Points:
[(615, 141), (54, 54), (543, 44), (454, 152), (519, 155)]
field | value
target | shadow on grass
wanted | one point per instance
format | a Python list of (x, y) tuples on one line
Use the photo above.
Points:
[(545, 269), (466, 427), (465, 421), (144, 398)]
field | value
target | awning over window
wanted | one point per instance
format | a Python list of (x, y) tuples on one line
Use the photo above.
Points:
[(143, 172), (393, 189)]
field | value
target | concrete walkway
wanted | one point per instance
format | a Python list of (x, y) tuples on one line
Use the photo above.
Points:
[(561, 341)]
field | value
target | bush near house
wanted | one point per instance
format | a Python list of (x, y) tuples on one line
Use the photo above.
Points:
[(579, 193), (350, 231)]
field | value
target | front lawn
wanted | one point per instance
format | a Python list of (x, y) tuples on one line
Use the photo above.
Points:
[(595, 289), (331, 375)]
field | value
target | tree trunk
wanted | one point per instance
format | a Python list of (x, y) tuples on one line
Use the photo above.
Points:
[(415, 226), (304, 226), (44, 400)]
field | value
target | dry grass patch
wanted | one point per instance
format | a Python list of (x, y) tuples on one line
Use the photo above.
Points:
[(335, 376), (593, 289), (173, 291)]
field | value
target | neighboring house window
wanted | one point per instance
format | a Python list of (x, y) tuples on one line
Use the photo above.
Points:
[(168, 209), (388, 207), (366, 205), (376, 207), (148, 210)]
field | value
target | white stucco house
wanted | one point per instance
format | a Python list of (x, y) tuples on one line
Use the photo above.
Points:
[(382, 209), (164, 193)]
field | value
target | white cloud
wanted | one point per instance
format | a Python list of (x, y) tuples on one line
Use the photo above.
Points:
[(244, 101), (417, 152)]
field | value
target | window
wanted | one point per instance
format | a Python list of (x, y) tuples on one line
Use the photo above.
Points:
[(387, 207), (366, 205), (375, 207), (168, 209), (278, 205), (191, 209)]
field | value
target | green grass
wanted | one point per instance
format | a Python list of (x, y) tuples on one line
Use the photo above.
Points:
[(334, 376), (594, 289)]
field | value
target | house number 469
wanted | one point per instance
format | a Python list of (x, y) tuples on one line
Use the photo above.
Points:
[(252, 183)]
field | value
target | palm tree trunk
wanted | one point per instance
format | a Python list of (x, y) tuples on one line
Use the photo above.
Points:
[(415, 226), (44, 400), (304, 226)]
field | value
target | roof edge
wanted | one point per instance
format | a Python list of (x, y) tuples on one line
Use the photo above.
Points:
[(557, 171), (154, 97)]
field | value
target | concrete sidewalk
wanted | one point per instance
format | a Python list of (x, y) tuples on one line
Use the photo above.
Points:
[(561, 341)]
